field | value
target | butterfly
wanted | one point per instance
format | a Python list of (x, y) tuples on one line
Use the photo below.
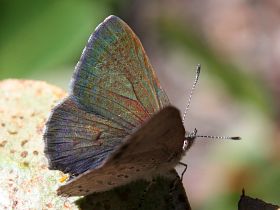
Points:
[(117, 124)]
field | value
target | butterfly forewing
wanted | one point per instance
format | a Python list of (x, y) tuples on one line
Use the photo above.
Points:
[(114, 90), (114, 77), (153, 149)]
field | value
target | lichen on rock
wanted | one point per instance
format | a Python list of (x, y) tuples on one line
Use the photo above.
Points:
[(25, 181)]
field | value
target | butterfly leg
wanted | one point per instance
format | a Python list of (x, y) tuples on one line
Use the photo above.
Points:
[(176, 181), (184, 171)]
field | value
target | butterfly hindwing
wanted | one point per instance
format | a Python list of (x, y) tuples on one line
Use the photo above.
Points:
[(159, 140), (153, 149)]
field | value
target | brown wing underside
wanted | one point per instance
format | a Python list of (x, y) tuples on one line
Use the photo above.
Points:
[(153, 149)]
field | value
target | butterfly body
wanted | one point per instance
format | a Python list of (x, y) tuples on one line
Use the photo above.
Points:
[(116, 125)]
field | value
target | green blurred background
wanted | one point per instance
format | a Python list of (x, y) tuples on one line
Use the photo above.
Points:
[(237, 43)]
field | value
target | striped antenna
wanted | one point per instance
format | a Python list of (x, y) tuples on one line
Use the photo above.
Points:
[(198, 67), (193, 135), (220, 137)]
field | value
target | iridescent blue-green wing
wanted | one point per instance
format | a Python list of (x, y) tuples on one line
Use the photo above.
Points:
[(114, 77), (76, 140), (114, 89)]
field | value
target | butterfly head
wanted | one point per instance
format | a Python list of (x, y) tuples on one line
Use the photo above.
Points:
[(189, 140)]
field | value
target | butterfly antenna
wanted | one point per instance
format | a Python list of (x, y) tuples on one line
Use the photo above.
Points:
[(198, 67), (194, 135), (221, 137)]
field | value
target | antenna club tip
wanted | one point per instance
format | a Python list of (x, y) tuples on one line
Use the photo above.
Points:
[(236, 138), (198, 69)]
